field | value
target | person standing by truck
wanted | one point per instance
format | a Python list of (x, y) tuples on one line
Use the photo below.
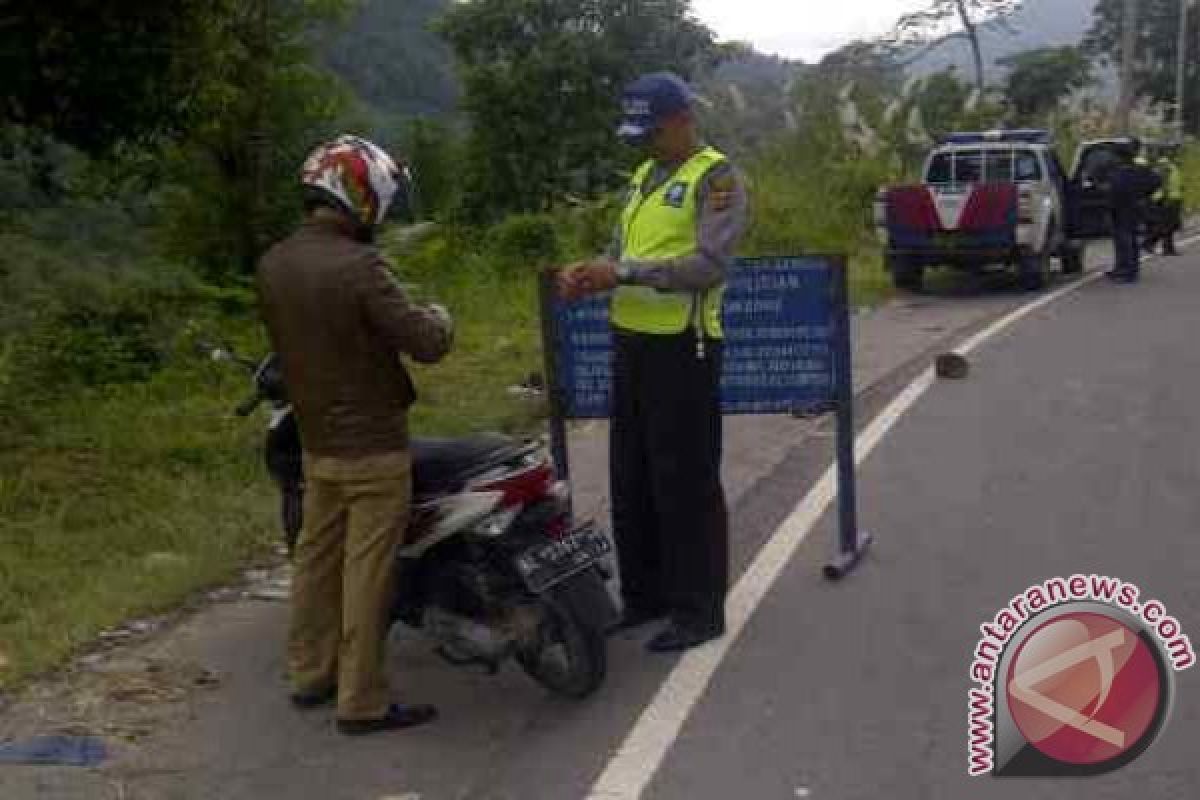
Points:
[(1167, 219), (1131, 185)]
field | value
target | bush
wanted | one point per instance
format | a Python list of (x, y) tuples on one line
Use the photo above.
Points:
[(91, 348), (1190, 164), (524, 241), (804, 200)]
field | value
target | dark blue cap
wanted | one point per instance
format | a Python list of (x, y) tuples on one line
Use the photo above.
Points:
[(648, 101)]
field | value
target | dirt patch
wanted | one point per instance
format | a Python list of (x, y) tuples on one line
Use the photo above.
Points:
[(122, 700), (128, 684)]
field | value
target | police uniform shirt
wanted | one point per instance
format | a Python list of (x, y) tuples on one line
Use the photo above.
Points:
[(722, 218)]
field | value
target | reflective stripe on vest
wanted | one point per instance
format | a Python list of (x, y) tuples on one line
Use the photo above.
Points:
[(662, 225)]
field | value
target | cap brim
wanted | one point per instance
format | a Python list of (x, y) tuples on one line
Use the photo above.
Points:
[(632, 130)]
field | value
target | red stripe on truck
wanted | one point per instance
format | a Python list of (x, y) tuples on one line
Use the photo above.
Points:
[(991, 206), (911, 207)]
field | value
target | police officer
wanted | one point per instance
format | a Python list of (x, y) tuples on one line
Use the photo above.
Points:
[(685, 211), (1131, 185), (1168, 204)]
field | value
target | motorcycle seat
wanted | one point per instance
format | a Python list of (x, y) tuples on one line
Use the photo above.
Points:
[(443, 465)]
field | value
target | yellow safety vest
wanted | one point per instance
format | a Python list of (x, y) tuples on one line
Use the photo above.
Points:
[(662, 225)]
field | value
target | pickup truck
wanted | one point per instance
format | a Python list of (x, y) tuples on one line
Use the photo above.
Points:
[(997, 198)]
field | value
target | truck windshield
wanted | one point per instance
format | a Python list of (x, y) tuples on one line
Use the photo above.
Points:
[(983, 166)]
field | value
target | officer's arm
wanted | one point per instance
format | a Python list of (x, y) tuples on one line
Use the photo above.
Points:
[(408, 328), (721, 220)]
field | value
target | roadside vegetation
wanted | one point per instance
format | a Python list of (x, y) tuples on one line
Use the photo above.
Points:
[(133, 208)]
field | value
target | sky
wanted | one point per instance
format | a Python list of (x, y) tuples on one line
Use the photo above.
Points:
[(804, 29)]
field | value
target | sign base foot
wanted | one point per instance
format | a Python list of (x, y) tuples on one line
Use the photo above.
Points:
[(845, 562)]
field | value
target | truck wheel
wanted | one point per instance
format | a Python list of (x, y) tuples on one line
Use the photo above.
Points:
[(1034, 270), (1073, 258), (907, 274)]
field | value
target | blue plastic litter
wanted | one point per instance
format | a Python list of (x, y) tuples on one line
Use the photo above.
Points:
[(71, 751)]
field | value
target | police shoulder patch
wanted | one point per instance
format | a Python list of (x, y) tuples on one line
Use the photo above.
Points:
[(676, 194)]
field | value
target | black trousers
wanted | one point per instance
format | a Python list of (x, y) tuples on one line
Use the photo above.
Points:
[(1126, 247), (668, 506), (1163, 223)]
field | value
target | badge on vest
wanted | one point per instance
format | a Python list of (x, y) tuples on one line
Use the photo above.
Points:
[(676, 194)]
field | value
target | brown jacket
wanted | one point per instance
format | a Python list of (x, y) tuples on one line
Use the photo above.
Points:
[(340, 322)]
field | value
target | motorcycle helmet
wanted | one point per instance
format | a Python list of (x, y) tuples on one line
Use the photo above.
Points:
[(360, 179)]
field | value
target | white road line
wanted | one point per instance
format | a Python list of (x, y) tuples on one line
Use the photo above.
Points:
[(634, 764)]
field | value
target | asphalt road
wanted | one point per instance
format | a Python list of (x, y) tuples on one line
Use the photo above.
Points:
[(1071, 447)]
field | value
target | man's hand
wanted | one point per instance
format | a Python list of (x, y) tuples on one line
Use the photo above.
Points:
[(581, 280), (442, 315)]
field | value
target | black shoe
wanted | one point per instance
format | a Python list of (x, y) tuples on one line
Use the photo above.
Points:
[(676, 638), (636, 618), (306, 701), (397, 718)]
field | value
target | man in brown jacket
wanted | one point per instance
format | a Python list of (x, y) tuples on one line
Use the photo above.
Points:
[(340, 323)]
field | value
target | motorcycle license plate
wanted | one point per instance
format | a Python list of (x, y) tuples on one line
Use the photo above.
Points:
[(545, 565)]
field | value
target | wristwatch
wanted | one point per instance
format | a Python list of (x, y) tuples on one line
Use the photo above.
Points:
[(624, 273)]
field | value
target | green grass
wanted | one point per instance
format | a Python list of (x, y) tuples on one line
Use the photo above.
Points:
[(104, 481), (93, 485), (497, 344)]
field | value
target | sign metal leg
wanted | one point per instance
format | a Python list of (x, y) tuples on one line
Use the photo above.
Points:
[(852, 543), (554, 390)]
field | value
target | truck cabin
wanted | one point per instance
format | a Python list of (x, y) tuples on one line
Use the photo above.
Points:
[(1005, 156), (995, 164)]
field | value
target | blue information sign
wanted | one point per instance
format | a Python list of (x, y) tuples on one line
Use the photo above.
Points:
[(787, 349), (779, 325)]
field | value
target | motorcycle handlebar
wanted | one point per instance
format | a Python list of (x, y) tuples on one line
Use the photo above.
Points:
[(249, 405), (216, 352)]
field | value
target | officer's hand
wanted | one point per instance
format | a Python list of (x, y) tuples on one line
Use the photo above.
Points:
[(597, 276), (570, 287)]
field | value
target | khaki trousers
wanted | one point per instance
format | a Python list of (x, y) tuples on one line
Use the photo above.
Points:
[(355, 514)]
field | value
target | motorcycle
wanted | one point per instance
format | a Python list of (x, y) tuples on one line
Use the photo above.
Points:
[(491, 568)]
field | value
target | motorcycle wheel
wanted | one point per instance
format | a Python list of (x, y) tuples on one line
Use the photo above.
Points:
[(569, 655)]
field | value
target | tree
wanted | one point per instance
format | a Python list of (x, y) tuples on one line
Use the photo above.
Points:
[(542, 82), (432, 150), (962, 18), (219, 97), (1129, 54), (393, 60), (867, 70), (262, 105), (1040, 79), (1157, 44), (942, 99), (94, 78), (749, 99)]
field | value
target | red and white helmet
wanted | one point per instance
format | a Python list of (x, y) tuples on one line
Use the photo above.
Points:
[(359, 177)]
